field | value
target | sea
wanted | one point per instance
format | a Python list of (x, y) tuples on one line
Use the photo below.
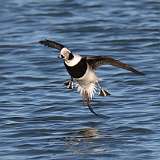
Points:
[(40, 119)]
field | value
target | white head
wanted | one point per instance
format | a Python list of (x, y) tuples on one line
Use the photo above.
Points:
[(69, 58), (66, 54)]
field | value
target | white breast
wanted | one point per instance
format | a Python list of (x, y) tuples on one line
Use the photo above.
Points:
[(89, 76), (87, 84)]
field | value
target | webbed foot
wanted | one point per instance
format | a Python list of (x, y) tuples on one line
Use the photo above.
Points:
[(69, 84), (104, 93)]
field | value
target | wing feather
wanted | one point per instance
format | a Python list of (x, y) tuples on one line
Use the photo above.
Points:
[(96, 61), (51, 44)]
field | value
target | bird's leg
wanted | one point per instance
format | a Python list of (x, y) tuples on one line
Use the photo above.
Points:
[(69, 83), (102, 91)]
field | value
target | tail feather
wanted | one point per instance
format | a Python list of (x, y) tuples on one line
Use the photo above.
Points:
[(87, 94), (87, 100), (86, 97), (87, 91), (91, 109)]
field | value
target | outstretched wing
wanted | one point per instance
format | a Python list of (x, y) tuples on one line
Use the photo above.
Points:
[(52, 44), (96, 61)]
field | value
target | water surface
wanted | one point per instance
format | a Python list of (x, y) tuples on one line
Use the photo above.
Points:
[(41, 119)]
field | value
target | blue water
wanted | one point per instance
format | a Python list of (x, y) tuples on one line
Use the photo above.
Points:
[(40, 119)]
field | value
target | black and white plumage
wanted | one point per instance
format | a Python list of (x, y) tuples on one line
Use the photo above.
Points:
[(82, 70)]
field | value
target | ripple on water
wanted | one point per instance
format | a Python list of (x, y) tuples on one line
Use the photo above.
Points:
[(41, 119)]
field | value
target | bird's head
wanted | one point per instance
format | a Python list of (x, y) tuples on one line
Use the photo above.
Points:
[(66, 54)]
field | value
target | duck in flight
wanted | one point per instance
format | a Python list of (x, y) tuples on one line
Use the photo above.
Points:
[(82, 70)]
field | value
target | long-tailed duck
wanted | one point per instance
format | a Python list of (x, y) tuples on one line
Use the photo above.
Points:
[(82, 71)]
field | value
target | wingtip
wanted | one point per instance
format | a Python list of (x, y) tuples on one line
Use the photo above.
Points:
[(139, 73), (43, 41), (136, 71), (51, 44), (142, 73)]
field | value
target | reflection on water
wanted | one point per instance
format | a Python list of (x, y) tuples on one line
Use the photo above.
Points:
[(79, 140), (83, 134), (41, 119), (88, 132)]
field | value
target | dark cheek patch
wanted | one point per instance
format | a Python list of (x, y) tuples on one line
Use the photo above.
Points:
[(78, 70), (62, 56), (70, 56)]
